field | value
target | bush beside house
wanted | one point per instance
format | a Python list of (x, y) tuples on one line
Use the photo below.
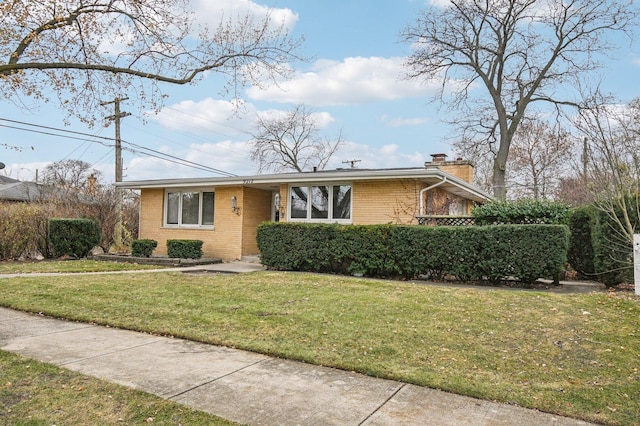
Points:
[(143, 247), (524, 252), (185, 249), (524, 211), (73, 237)]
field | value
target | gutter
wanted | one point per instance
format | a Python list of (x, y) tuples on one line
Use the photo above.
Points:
[(428, 188)]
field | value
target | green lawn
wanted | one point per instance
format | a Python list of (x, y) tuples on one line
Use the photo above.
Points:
[(33, 393), (69, 266), (575, 355)]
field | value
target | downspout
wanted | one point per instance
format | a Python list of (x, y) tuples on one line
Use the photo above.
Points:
[(428, 188)]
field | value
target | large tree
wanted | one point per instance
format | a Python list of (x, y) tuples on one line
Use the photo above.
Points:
[(83, 52), (612, 135), (520, 52), (292, 141)]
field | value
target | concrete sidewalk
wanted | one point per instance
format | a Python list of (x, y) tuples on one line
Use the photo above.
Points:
[(246, 387)]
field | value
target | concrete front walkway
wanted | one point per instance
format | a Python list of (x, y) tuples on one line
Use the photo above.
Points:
[(246, 387)]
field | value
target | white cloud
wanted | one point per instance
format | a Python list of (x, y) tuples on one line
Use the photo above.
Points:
[(355, 80), (211, 13), (25, 171), (229, 118), (226, 156), (402, 122), (208, 116), (233, 157), (440, 3), (322, 118)]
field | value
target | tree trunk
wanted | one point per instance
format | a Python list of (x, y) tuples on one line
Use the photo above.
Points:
[(500, 168)]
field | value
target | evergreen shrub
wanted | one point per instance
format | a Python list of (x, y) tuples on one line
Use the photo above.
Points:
[(73, 237), (522, 212), (143, 247), (524, 252), (184, 249)]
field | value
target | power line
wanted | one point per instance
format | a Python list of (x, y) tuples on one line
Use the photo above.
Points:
[(182, 160), (158, 154), (51, 134)]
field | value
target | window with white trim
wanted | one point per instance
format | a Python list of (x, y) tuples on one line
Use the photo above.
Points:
[(189, 208), (320, 203)]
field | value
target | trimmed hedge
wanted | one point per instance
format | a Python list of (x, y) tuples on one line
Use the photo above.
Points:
[(524, 252), (598, 250), (522, 212), (184, 249), (580, 256), (73, 237), (143, 247)]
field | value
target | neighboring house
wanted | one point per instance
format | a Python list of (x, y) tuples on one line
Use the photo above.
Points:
[(225, 212), (14, 190)]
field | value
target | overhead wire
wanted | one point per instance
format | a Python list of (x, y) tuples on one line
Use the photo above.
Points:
[(97, 138), (205, 126)]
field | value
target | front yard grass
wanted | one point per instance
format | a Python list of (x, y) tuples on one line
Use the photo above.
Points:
[(69, 266), (575, 355), (34, 393)]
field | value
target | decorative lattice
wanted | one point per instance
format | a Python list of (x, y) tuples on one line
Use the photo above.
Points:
[(431, 220)]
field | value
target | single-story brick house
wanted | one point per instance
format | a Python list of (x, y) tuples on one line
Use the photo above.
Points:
[(225, 212)]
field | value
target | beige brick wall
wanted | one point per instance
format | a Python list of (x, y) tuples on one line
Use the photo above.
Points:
[(459, 168), (378, 202), (256, 209), (224, 241)]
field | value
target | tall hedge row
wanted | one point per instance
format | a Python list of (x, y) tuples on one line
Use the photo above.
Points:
[(524, 212), (524, 252), (598, 249)]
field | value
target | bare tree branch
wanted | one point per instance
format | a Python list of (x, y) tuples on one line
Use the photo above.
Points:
[(84, 51), (292, 142), (520, 51)]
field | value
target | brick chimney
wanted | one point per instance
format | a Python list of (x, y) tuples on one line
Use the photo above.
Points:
[(438, 158), (92, 184), (459, 167)]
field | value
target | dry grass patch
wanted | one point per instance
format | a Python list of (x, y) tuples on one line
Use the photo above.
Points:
[(33, 393), (69, 266), (575, 355)]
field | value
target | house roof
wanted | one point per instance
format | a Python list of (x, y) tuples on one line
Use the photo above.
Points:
[(19, 191), (430, 175)]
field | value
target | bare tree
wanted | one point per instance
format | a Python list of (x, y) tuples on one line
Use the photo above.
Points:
[(613, 171), (574, 191), (86, 51), (541, 155), (519, 51), (68, 174), (292, 141), (71, 188), (613, 136)]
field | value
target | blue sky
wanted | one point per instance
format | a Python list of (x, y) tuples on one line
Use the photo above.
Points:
[(354, 80)]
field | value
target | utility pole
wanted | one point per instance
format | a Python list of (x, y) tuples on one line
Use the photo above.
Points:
[(117, 115)]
